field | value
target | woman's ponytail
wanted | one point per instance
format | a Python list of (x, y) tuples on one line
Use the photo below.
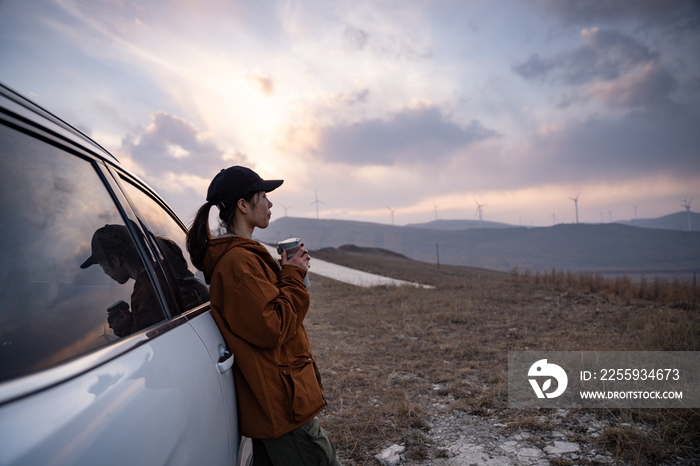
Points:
[(198, 236)]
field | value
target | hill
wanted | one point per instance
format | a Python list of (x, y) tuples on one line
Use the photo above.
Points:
[(604, 248), (677, 221), (458, 225)]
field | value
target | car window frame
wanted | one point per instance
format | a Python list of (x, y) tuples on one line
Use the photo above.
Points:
[(117, 173), (135, 226)]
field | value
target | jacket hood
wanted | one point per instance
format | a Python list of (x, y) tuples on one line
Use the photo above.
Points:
[(217, 248)]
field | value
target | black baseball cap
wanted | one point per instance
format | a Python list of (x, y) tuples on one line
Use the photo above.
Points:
[(109, 240), (234, 183)]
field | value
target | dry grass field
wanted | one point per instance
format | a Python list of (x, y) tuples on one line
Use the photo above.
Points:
[(389, 355)]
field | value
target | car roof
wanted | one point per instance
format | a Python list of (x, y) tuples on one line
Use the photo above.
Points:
[(15, 105), (17, 109)]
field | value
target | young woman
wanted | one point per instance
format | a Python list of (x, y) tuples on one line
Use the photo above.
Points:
[(259, 305)]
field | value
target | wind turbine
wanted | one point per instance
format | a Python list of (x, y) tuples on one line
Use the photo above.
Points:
[(602, 217), (478, 209), (285, 208), (686, 204), (609, 215), (575, 199), (435, 210), (317, 202), (392, 214), (554, 218), (635, 212)]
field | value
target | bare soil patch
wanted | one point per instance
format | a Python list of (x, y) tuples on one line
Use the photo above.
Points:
[(400, 364)]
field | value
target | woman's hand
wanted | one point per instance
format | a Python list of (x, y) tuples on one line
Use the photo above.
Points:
[(301, 259)]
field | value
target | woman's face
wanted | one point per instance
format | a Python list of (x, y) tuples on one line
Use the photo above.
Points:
[(260, 214), (113, 266)]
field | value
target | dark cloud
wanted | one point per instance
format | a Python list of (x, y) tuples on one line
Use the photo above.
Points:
[(171, 144), (616, 68), (692, 86), (649, 88), (605, 55), (535, 67), (410, 136), (671, 15), (600, 150), (642, 143), (354, 38)]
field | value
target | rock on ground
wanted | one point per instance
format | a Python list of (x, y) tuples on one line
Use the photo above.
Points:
[(391, 456)]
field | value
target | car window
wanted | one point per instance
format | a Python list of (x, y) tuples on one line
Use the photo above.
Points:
[(169, 238), (66, 259)]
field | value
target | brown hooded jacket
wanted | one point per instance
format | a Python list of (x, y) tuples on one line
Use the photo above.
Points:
[(260, 310)]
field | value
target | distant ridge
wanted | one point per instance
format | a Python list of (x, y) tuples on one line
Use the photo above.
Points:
[(458, 225), (604, 248), (677, 221)]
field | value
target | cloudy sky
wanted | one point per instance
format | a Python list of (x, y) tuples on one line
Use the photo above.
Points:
[(416, 106)]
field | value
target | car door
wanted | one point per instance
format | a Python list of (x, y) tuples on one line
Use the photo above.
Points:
[(168, 236), (72, 391)]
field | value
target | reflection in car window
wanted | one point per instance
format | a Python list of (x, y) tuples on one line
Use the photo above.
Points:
[(169, 237), (116, 253), (51, 310)]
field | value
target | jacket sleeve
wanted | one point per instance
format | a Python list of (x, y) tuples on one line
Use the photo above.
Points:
[(264, 313)]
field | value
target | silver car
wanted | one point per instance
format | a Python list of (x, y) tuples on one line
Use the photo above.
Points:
[(108, 351)]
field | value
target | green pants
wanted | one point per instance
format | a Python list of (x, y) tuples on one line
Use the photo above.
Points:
[(307, 445)]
